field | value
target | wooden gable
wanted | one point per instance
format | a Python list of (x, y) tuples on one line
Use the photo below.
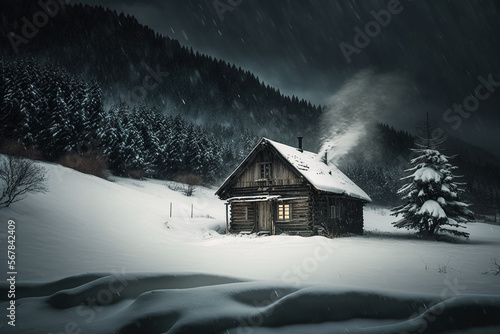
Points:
[(267, 168), (251, 172)]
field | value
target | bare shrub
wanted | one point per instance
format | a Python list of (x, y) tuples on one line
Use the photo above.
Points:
[(495, 268), (175, 186), (445, 268), (329, 231), (190, 182), (92, 164), (18, 178), (137, 174), (16, 149)]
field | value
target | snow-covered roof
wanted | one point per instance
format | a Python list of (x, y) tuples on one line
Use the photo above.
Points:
[(320, 175)]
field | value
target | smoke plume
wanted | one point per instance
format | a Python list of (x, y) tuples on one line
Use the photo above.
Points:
[(367, 98)]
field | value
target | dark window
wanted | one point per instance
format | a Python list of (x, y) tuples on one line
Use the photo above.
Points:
[(265, 170), (333, 208), (333, 211)]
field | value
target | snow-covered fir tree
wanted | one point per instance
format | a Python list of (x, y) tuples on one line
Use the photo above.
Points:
[(431, 196)]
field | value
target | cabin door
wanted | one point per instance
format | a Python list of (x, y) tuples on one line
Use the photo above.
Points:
[(264, 217)]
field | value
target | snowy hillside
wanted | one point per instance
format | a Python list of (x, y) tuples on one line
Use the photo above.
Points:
[(105, 232)]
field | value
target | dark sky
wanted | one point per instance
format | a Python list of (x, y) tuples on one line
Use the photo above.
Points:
[(418, 56)]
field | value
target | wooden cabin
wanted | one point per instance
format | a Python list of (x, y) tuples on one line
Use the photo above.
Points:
[(282, 189)]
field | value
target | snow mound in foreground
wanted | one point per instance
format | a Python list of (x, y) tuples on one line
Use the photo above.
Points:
[(121, 303)]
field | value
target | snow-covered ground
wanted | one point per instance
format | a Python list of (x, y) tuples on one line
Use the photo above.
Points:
[(122, 249)]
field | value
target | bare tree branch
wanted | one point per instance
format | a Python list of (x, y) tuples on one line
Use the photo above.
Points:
[(20, 177)]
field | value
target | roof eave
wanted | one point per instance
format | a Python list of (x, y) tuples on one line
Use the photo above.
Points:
[(344, 194)]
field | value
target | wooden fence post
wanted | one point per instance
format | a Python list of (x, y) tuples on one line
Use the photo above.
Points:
[(227, 218)]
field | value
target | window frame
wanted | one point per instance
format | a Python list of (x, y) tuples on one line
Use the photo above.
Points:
[(333, 212), (282, 216), (266, 171), (334, 208)]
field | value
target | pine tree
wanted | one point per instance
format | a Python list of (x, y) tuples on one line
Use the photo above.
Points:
[(192, 152), (23, 96), (4, 107), (175, 144), (60, 131), (431, 197), (162, 160), (113, 141), (9, 104)]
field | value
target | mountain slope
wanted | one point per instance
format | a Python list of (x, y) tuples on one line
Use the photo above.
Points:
[(133, 64)]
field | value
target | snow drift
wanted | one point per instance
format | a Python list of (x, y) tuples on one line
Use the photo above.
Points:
[(213, 304)]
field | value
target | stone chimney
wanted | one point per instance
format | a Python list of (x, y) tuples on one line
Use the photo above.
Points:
[(300, 144)]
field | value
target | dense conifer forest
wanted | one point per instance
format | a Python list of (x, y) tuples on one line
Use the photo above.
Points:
[(95, 84)]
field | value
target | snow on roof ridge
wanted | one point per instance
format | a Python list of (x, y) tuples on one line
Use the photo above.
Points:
[(322, 176)]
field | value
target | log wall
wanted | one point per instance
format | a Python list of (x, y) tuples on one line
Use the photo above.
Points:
[(300, 222), (309, 208), (350, 219), (242, 217)]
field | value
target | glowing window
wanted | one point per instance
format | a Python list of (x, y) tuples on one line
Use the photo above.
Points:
[(284, 212)]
